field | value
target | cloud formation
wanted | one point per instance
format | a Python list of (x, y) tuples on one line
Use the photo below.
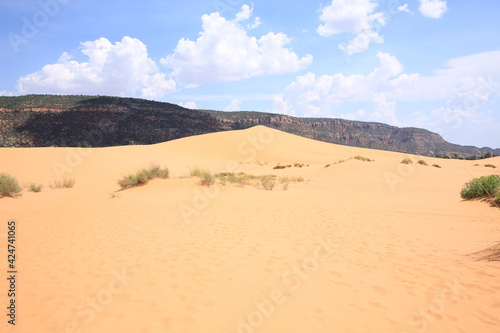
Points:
[(432, 8), (225, 52), (355, 17), (310, 95), (122, 69)]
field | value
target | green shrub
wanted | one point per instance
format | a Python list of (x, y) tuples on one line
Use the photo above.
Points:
[(407, 161), (64, 183), (490, 166), (485, 186), (207, 178), (143, 176), (35, 188), (436, 165), (422, 162), (362, 158), (9, 187)]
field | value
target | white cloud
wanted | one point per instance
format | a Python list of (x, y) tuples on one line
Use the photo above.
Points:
[(385, 111), (244, 14), (255, 23), (233, 106), (432, 8), (361, 42), (358, 115), (353, 17), (347, 16), (311, 95), (122, 69), (225, 52), (5, 93), (189, 105), (404, 8)]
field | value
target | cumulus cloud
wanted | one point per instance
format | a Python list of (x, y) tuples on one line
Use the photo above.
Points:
[(355, 17), (385, 111), (225, 52), (189, 105), (233, 106), (432, 8), (5, 93), (361, 42), (311, 95), (404, 8), (122, 69)]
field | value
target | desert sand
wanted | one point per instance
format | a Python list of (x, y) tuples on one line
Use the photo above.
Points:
[(358, 247)]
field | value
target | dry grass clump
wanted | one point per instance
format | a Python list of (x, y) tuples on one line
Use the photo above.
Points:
[(362, 158), (63, 183), (268, 182), (490, 166), (490, 254), (407, 161), (35, 188), (436, 165), (422, 162)]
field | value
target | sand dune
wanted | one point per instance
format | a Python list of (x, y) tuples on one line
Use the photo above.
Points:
[(358, 247)]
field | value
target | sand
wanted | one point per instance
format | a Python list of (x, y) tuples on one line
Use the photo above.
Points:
[(357, 247)]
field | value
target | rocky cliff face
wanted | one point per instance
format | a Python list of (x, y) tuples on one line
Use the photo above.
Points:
[(45, 120)]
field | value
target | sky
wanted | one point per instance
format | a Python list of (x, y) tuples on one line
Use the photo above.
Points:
[(430, 64)]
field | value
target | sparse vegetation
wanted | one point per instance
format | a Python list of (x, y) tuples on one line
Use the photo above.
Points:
[(143, 176), (422, 162), (407, 161), (490, 254), (490, 166), (9, 187), (268, 182), (436, 165), (64, 183), (284, 181), (207, 178), (279, 167), (35, 188), (483, 187), (362, 158)]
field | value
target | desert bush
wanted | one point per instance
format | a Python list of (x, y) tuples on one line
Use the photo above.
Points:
[(280, 167), (326, 166), (362, 158), (490, 166), (143, 176), (268, 182), (156, 172), (284, 181), (482, 187), (35, 188), (407, 161), (207, 178), (422, 162), (436, 165), (64, 183), (9, 187)]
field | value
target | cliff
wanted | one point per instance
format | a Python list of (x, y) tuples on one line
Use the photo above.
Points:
[(51, 120)]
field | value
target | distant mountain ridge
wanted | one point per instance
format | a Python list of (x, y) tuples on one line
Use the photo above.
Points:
[(58, 120)]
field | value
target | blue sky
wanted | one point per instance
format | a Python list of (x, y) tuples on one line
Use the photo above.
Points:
[(421, 63)]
